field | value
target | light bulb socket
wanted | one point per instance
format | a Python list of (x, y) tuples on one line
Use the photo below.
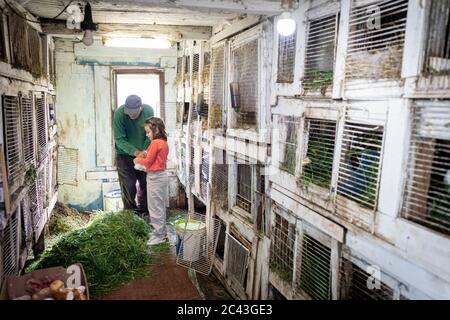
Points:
[(88, 23)]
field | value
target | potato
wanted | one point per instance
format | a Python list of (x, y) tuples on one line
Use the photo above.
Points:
[(83, 297), (76, 294), (63, 294), (56, 285), (42, 294)]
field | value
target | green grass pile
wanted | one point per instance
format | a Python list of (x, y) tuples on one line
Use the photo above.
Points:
[(112, 250)]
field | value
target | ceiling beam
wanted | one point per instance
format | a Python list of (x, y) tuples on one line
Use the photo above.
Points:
[(250, 7), (175, 33)]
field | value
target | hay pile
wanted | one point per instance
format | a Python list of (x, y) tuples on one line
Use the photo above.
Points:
[(112, 250)]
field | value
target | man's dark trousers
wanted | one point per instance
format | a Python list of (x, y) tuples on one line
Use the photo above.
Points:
[(133, 198)]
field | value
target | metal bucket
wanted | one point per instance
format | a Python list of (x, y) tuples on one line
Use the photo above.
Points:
[(112, 201)]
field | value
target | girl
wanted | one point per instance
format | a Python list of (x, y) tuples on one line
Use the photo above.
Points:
[(157, 180)]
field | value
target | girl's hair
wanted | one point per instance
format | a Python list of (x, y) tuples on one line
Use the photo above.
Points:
[(157, 123)]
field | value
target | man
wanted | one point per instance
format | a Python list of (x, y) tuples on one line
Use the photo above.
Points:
[(130, 142)]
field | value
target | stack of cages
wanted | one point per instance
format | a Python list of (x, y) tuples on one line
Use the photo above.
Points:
[(426, 194), (304, 258), (311, 262), (334, 151)]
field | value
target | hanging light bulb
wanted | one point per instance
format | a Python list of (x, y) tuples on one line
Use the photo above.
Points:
[(88, 38), (286, 25), (88, 26)]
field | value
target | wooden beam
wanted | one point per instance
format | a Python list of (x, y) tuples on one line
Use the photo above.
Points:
[(21, 11), (235, 28), (176, 33), (257, 7)]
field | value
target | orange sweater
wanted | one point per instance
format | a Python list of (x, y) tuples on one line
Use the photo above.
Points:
[(156, 158)]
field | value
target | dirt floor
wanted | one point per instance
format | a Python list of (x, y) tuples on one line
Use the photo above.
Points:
[(167, 281)]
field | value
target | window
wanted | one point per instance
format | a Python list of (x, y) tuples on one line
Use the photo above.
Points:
[(376, 40), (244, 187), (286, 58), (317, 163), (320, 52), (427, 193)]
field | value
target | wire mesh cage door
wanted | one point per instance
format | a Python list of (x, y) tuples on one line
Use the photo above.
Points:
[(357, 281), (245, 74), (10, 246), (217, 113), (28, 138), (67, 166), (197, 241), (438, 42), (288, 143), (318, 152), (360, 170), (244, 187), (313, 265), (27, 222), (12, 140), (204, 175), (320, 54), (42, 126), (219, 181), (427, 191), (376, 40), (286, 58), (237, 260), (282, 245)]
